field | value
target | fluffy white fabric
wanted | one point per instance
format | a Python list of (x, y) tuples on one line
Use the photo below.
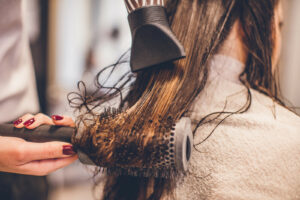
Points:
[(251, 156)]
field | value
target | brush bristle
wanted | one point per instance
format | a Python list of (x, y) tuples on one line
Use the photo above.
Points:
[(167, 173)]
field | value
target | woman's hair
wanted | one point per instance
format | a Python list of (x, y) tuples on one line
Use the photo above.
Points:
[(168, 90)]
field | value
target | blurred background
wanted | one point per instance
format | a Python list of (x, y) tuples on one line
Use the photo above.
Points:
[(72, 40)]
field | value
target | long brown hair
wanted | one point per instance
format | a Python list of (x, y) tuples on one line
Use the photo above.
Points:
[(169, 89)]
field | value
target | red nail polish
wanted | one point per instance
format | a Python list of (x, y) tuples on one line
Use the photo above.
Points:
[(57, 117), (29, 122), (17, 122), (68, 150)]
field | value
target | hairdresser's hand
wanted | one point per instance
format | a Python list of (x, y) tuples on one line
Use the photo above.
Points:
[(19, 156), (32, 121)]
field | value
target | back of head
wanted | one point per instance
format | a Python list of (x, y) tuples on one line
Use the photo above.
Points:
[(167, 91)]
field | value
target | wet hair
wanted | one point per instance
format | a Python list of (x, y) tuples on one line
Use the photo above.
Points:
[(167, 91)]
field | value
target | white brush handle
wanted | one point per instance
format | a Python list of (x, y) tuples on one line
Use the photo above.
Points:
[(135, 4)]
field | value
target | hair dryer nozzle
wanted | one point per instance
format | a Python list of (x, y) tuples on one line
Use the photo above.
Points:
[(153, 41)]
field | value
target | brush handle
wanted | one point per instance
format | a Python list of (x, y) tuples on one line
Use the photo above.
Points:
[(44, 133)]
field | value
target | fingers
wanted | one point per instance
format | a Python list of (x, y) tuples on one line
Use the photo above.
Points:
[(20, 122), (42, 158), (44, 167), (49, 150), (30, 121), (38, 120), (30, 151), (63, 120)]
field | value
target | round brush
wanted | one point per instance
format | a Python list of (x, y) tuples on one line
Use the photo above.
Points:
[(128, 153)]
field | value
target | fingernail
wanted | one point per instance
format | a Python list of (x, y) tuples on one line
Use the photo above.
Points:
[(57, 117), (68, 150), (17, 122), (29, 122)]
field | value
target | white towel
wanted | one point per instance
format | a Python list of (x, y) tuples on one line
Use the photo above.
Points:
[(250, 156)]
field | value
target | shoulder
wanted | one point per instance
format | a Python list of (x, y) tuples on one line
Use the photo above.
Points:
[(266, 128), (264, 115), (265, 107), (255, 147)]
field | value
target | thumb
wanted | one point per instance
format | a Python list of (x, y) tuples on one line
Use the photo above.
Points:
[(41, 151), (63, 120)]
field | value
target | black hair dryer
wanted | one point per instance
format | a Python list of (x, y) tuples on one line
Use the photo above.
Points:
[(153, 41)]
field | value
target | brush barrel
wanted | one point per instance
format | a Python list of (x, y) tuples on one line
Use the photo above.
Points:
[(153, 41), (179, 146), (168, 156), (44, 133)]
